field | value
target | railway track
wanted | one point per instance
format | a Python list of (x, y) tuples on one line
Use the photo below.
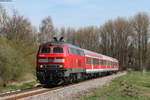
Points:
[(20, 94), (8, 93), (25, 93)]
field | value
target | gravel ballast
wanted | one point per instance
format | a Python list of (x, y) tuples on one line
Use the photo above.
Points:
[(75, 92)]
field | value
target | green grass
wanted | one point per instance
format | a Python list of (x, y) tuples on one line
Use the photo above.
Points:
[(133, 86), (24, 86)]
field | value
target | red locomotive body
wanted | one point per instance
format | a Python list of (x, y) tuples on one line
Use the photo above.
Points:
[(60, 62)]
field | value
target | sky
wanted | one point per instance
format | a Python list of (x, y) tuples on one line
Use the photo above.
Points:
[(77, 13)]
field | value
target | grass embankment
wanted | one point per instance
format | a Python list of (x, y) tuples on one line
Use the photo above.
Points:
[(23, 86), (133, 86), (28, 81)]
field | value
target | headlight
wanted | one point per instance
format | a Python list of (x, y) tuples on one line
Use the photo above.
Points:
[(41, 66), (61, 66)]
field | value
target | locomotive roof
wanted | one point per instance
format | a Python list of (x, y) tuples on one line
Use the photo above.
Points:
[(61, 44), (73, 46)]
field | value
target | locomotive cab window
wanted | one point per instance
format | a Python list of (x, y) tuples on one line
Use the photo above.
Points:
[(58, 50), (45, 50)]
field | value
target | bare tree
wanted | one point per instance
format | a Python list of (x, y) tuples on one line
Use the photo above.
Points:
[(107, 37), (18, 29), (3, 20), (141, 30), (46, 30)]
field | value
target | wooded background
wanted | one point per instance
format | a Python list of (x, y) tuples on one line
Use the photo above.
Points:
[(126, 39)]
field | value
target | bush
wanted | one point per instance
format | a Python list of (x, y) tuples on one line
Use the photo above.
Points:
[(14, 63)]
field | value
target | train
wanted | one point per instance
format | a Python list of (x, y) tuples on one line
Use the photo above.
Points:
[(59, 62)]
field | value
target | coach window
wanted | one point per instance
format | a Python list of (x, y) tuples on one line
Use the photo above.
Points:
[(104, 62), (96, 61), (111, 63), (116, 64), (58, 50), (89, 60), (100, 62)]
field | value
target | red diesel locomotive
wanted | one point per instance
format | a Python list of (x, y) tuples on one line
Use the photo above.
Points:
[(60, 62)]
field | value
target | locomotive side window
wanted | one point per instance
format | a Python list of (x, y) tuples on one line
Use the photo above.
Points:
[(81, 53), (58, 50), (76, 52), (45, 50), (71, 51)]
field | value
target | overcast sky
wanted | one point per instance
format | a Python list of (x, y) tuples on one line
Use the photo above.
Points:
[(77, 13)]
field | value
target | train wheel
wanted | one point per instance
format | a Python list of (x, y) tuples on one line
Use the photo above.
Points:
[(71, 78), (66, 80)]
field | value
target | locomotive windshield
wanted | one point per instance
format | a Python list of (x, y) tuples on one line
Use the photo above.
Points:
[(58, 50), (45, 50)]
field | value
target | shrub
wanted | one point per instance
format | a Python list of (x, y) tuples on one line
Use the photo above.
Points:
[(14, 63)]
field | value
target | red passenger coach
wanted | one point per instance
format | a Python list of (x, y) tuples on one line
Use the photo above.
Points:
[(60, 62), (99, 63)]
